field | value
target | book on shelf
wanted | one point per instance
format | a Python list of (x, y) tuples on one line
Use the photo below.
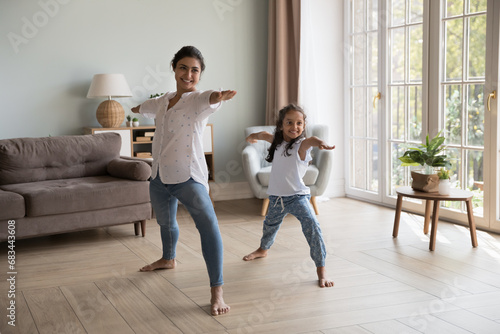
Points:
[(149, 134), (139, 138), (143, 155)]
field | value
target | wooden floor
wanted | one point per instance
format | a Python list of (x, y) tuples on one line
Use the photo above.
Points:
[(88, 282)]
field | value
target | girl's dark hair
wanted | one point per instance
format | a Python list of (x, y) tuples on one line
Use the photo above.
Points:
[(188, 51), (278, 132)]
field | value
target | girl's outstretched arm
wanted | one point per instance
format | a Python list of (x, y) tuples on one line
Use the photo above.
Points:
[(224, 95), (312, 142), (263, 135)]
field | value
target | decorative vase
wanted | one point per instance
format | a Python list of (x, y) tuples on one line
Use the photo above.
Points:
[(428, 183), (444, 187)]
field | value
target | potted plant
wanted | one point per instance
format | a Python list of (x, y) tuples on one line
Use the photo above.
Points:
[(135, 121), (444, 181), (129, 120), (428, 155)]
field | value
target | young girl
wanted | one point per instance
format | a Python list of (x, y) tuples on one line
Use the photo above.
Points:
[(290, 155), (179, 170)]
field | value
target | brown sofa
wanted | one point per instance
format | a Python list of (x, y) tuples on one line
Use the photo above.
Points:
[(60, 184)]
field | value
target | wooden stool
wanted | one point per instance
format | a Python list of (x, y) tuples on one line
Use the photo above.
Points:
[(455, 195)]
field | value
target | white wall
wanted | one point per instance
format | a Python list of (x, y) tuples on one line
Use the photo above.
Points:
[(50, 49)]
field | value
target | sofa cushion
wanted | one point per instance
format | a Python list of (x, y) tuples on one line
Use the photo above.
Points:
[(309, 178), (25, 160), (80, 194), (129, 169), (12, 205)]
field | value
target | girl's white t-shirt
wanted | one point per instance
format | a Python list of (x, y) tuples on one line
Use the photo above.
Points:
[(287, 171), (177, 144)]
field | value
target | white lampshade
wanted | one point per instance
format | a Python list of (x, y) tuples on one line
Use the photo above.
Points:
[(109, 85)]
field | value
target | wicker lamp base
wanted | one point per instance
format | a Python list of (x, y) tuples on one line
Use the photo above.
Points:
[(110, 114)]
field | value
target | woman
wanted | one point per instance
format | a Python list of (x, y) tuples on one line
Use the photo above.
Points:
[(179, 170)]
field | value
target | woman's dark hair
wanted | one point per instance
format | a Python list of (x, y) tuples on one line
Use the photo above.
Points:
[(188, 51), (278, 132)]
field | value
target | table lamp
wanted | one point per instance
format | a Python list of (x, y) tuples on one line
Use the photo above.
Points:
[(110, 113)]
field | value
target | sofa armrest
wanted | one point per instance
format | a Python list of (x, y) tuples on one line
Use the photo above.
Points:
[(136, 170), (149, 161), (325, 165)]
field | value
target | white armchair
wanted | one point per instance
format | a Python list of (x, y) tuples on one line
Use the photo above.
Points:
[(257, 169)]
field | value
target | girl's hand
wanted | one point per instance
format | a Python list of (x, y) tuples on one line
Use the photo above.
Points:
[(251, 139), (224, 95), (324, 146)]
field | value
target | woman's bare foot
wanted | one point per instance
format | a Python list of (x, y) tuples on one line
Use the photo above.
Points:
[(322, 280), (256, 254), (218, 306), (160, 264)]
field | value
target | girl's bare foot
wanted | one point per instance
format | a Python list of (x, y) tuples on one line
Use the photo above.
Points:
[(160, 264), (322, 280), (218, 306), (256, 254)]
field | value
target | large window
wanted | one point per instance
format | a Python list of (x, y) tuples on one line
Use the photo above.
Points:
[(417, 67)]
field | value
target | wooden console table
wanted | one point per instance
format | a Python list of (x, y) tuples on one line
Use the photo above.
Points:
[(455, 195)]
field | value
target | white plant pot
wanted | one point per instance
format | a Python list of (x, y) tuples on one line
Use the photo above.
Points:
[(135, 124), (444, 187)]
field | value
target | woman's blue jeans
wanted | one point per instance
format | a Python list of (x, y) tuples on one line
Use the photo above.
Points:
[(195, 198), (299, 206)]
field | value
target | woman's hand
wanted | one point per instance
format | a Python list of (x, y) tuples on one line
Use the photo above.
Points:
[(224, 95)]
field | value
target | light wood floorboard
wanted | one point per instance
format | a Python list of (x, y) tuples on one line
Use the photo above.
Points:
[(88, 282)]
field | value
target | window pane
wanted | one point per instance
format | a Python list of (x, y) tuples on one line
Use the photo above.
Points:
[(372, 15), (398, 12), (358, 112), (397, 112), (416, 52), (415, 113), (475, 178), (453, 114), (453, 53), (358, 162), (358, 62), (397, 172), (454, 7), (477, 47), (373, 166), (475, 113), (398, 55), (454, 156), (416, 10), (358, 16), (373, 58), (476, 6)]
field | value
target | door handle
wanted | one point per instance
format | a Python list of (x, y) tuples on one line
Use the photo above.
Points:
[(492, 95), (378, 96)]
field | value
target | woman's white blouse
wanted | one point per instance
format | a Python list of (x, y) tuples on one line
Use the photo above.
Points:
[(177, 144)]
